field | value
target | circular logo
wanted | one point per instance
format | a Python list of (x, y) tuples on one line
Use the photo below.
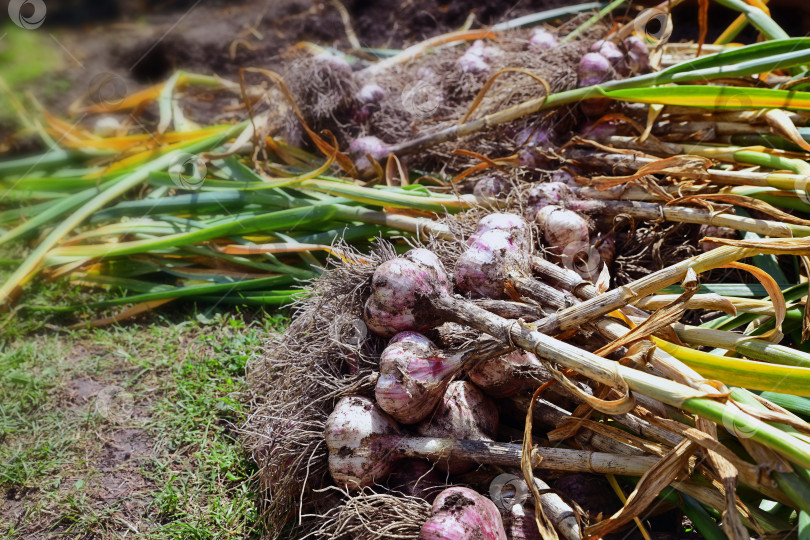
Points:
[(27, 14), (349, 330), (654, 24), (582, 258), (736, 427), (115, 404), (107, 89), (422, 99), (507, 490), (188, 171)]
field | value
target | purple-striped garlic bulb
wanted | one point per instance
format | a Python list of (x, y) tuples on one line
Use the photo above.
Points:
[(480, 271), (562, 229), (361, 148), (504, 222), (545, 194), (464, 412), (507, 375), (413, 377), (477, 57), (533, 140), (357, 434), (522, 523), (398, 285), (460, 513), (638, 54), (594, 69), (609, 50), (370, 94), (542, 39)]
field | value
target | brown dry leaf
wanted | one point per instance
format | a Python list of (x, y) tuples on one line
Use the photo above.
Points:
[(483, 92), (486, 163), (544, 525), (703, 23), (623, 405), (773, 290), (652, 116), (603, 281), (649, 486), (766, 246), (128, 313), (731, 523), (670, 165), (659, 319), (345, 163), (775, 417), (614, 433), (746, 202), (395, 175), (782, 126)]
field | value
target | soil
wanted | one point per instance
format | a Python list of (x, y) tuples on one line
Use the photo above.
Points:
[(114, 469), (222, 37)]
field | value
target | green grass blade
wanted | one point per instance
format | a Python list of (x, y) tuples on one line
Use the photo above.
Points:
[(795, 404), (24, 273), (757, 18), (280, 220), (53, 211)]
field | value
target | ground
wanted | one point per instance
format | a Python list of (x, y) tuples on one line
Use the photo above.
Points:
[(128, 432)]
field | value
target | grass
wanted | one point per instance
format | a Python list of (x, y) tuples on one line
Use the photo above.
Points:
[(127, 431), (20, 71)]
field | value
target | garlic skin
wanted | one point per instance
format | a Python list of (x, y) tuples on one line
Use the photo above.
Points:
[(503, 222), (609, 50), (545, 194), (398, 285), (717, 232), (475, 59), (355, 434), (460, 513), (370, 93), (542, 39), (370, 145), (464, 412), (562, 228), (522, 524), (506, 375), (413, 377), (594, 68), (638, 54), (480, 270)]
